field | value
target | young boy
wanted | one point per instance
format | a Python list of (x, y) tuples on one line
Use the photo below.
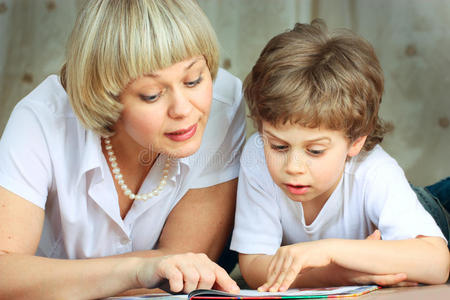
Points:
[(314, 183)]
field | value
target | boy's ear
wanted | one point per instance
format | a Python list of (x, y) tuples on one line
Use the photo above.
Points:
[(356, 146)]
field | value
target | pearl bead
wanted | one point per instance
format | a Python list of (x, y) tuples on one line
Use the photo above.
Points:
[(119, 177)]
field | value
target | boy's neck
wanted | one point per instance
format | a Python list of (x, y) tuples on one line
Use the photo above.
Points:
[(312, 208)]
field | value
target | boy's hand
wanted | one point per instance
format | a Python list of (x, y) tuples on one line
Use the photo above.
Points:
[(185, 273), (291, 260), (391, 280), (337, 275), (348, 277)]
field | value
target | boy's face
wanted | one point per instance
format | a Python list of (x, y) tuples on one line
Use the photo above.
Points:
[(307, 163)]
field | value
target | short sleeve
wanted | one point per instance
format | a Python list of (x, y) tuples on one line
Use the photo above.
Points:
[(257, 228), (218, 158), (25, 165), (393, 206)]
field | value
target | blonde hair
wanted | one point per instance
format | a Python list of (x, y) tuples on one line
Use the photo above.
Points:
[(313, 78), (116, 41)]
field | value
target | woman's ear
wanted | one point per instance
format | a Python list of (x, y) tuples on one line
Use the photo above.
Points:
[(356, 146)]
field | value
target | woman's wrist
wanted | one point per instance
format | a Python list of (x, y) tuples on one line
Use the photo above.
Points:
[(127, 270)]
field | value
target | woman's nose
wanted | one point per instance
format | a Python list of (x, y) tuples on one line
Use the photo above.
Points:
[(180, 106)]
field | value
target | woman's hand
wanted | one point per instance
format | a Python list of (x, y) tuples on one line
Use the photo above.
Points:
[(185, 273), (291, 260)]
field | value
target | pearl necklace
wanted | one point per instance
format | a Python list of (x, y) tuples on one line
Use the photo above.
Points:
[(119, 177)]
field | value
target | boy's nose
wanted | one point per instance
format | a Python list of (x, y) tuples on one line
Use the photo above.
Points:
[(180, 106), (295, 164)]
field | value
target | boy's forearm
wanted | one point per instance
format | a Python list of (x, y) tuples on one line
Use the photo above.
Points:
[(424, 260), (255, 271), (254, 268)]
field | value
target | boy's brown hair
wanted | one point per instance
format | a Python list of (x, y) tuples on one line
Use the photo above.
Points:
[(313, 78)]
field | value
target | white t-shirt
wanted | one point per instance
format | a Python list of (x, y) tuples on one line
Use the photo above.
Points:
[(48, 158), (373, 193)]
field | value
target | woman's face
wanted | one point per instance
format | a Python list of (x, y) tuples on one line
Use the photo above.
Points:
[(166, 111)]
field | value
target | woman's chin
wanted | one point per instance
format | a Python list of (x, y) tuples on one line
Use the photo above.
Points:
[(185, 151)]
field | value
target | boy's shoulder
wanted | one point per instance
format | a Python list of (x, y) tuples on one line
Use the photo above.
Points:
[(366, 164)]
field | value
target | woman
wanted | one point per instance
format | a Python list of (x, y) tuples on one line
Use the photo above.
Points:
[(128, 157)]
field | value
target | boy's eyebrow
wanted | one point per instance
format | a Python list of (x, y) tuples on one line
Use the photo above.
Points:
[(193, 62), (272, 135), (321, 138)]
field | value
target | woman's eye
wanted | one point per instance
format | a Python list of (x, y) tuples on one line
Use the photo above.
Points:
[(315, 152), (150, 98), (194, 83), (279, 148)]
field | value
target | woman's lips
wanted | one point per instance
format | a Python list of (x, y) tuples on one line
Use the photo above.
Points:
[(297, 189), (182, 135)]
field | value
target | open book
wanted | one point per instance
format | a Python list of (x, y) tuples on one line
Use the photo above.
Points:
[(331, 292)]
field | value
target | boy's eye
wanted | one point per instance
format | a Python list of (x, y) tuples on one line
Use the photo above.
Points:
[(280, 148), (150, 98), (195, 82), (315, 151)]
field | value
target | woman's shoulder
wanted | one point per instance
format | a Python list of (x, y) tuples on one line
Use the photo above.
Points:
[(48, 99), (252, 157), (47, 111), (227, 88)]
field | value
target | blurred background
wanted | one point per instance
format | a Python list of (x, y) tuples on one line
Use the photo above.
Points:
[(411, 38)]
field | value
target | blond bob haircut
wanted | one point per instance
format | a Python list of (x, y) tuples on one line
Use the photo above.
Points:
[(116, 41), (313, 78)]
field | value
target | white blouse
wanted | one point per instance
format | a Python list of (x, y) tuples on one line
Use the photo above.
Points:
[(48, 158)]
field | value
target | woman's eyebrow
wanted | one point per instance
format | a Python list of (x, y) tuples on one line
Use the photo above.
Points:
[(193, 62)]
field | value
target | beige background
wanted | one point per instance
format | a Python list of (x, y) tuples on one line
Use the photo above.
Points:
[(411, 38)]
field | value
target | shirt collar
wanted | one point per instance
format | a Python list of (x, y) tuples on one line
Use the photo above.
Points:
[(91, 158), (90, 155)]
